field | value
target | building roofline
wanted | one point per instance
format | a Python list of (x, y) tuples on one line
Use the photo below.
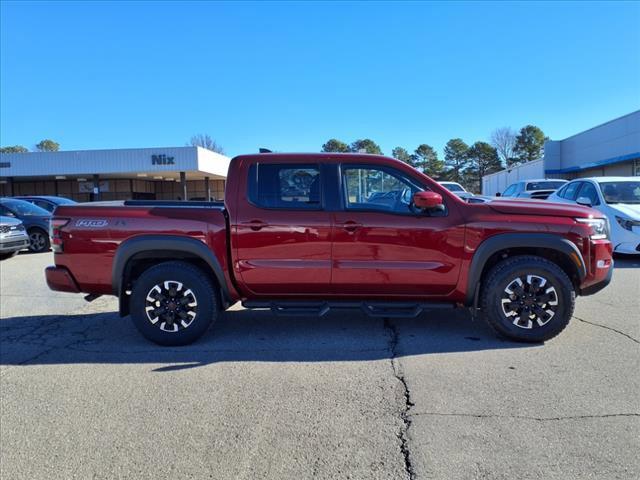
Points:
[(103, 150), (635, 112), (597, 164)]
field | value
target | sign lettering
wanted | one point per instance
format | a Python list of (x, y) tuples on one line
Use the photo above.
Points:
[(162, 160)]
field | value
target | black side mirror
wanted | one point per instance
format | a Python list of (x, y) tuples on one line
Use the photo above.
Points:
[(498, 194)]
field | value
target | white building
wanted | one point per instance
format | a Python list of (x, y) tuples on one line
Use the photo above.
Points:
[(140, 173), (612, 148)]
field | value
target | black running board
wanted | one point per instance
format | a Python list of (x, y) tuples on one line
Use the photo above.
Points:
[(293, 308)]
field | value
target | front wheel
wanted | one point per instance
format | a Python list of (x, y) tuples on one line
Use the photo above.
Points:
[(527, 298), (173, 303)]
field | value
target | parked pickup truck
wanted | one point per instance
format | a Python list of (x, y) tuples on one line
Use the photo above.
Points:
[(302, 234)]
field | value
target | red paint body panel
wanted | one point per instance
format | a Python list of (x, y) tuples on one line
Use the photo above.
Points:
[(395, 255), (271, 253)]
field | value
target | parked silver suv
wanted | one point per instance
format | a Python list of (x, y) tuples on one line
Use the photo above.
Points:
[(13, 237)]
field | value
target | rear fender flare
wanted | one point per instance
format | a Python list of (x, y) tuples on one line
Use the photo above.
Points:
[(505, 241), (160, 243)]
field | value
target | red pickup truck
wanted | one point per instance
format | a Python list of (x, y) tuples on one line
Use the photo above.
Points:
[(306, 233)]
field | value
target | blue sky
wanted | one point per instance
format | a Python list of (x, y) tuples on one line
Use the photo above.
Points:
[(288, 76)]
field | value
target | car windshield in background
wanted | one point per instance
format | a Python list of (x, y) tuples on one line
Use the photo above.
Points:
[(621, 192), (544, 185), (453, 187), (22, 208), (64, 201)]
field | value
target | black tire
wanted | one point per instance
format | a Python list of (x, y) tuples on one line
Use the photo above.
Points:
[(524, 314), (153, 289), (39, 240)]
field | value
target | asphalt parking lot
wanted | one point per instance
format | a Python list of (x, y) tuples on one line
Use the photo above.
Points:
[(83, 395)]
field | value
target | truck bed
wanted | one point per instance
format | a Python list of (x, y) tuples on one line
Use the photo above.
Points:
[(96, 231)]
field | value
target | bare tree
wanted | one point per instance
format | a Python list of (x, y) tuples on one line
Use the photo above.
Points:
[(205, 141), (504, 140)]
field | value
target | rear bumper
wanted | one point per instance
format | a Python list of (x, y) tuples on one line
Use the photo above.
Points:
[(61, 280)]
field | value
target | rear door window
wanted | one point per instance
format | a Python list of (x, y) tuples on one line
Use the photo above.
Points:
[(285, 186)]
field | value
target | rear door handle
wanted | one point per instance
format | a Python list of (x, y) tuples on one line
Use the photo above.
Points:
[(351, 226), (255, 225)]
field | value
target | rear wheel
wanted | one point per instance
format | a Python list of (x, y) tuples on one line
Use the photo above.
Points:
[(527, 298), (173, 303), (39, 240)]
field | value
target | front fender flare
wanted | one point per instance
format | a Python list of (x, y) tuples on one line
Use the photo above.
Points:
[(504, 241)]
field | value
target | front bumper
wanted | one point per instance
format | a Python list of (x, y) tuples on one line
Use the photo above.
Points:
[(60, 279), (599, 263), (13, 244), (625, 241), (596, 287), (628, 248)]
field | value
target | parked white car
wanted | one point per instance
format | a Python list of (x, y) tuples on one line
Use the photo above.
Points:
[(539, 189), (457, 189), (617, 197)]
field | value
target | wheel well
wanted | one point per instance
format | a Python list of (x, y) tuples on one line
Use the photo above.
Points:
[(140, 262), (555, 256)]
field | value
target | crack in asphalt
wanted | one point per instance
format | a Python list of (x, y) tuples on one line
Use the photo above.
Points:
[(607, 328), (43, 335), (407, 404), (525, 417)]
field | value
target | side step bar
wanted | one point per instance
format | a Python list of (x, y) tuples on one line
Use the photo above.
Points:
[(372, 309)]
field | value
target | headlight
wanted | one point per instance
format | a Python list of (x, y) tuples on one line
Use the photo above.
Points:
[(599, 228), (626, 223)]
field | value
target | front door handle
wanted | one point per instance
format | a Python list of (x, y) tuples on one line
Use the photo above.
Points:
[(255, 225), (351, 226)]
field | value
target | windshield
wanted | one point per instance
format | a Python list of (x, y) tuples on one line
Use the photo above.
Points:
[(621, 192), (544, 185), (22, 208), (453, 187)]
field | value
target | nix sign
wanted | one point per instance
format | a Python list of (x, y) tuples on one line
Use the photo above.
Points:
[(162, 160)]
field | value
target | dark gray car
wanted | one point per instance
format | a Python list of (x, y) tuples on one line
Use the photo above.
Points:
[(35, 219)]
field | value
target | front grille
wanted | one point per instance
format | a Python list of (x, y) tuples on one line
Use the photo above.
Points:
[(11, 228), (15, 244)]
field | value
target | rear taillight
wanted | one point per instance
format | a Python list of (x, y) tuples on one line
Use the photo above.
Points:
[(55, 227)]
